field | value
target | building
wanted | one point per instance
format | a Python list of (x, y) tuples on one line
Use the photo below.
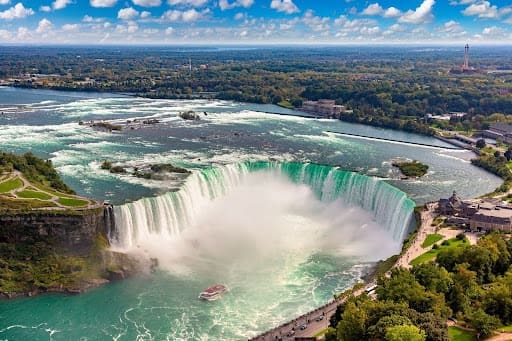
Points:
[(483, 215), (323, 107), (499, 131), (497, 219)]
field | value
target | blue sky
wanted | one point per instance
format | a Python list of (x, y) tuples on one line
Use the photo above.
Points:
[(255, 21)]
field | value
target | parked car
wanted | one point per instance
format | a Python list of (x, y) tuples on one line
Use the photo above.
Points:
[(319, 318), (304, 326)]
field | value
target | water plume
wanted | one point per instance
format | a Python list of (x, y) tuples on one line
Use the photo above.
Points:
[(247, 214)]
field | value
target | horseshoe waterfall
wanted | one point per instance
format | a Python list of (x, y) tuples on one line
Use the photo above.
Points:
[(169, 214)]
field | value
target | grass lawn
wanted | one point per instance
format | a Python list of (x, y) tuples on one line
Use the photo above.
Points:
[(7, 186), (33, 195), (432, 254), (285, 104), (457, 334), (321, 333), (431, 239), (506, 329), (71, 202)]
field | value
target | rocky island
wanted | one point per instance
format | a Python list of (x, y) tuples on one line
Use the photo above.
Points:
[(413, 169)]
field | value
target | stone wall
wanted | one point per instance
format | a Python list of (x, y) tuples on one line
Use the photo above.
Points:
[(74, 233)]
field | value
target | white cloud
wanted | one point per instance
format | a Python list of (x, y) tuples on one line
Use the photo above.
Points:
[(239, 16), (376, 9), (286, 6), (184, 16), (225, 4), (18, 11), (70, 27), (106, 24), (44, 26), (373, 9), (145, 14), (127, 13), (23, 33), (132, 27), (393, 29), (103, 3), (482, 10), (5, 35), (392, 12), (147, 3), (60, 4), (169, 30), (421, 15), (45, 9), (494, 31), (190, 3), (151, 31), (315, 23), (5, 2)]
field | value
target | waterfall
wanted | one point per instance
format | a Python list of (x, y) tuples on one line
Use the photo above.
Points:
[(170, 213)]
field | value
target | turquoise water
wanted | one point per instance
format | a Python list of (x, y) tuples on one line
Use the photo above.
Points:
[(280, 246)]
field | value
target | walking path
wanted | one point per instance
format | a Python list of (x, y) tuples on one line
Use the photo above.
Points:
[(54, 195), (426, 228)]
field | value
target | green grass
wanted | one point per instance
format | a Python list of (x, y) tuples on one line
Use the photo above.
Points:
[(7, 186), (458, 334), (285, 104), (321, 333), (72, 202), (432, 254), (34, 195), (506, 329), (48, 190), (431, 239)]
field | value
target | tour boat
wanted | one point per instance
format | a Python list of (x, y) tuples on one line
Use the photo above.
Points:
[(212, 293)]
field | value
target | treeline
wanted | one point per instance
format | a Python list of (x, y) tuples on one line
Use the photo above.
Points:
[(386, 87), (34, 169), (472, 284), (496, 163)]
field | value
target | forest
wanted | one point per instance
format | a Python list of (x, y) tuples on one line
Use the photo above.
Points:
[(470, 284), (393, 87)]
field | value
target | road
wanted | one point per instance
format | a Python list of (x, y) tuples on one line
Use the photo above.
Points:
[(291, 329)]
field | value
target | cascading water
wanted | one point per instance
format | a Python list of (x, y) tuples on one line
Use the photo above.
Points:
[(169, 214)]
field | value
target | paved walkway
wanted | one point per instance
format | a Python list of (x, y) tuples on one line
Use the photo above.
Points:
[(27, 185), (426, 228)]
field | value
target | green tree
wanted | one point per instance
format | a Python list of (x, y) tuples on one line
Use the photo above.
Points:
[(378, 331), (483, 323), (352, 326), (405, 333), (433, 277), (480, 143)]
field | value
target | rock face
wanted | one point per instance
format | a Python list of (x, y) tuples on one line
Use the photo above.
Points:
[(61, 252), (75, 233)]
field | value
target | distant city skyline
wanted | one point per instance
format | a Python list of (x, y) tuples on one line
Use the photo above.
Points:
[(255, 22)]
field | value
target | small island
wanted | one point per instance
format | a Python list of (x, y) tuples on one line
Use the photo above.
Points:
[(413, 169), (153, 172), (189, 115)]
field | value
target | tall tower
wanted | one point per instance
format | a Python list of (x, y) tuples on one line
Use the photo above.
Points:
[(466, 57)]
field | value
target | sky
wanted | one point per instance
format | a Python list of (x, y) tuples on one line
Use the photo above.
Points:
[(132, 22)]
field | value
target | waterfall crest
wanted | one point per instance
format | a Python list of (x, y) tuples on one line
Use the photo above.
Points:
[(170, 213)]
